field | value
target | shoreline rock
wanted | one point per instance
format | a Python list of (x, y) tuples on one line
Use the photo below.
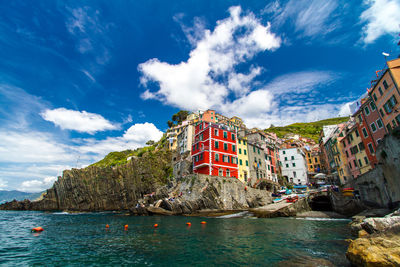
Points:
[(378, 243)]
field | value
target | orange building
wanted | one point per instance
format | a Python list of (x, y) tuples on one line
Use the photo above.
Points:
[(386, 95)]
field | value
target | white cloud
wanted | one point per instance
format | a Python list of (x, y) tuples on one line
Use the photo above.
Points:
[(3, 184), (80, 121), (37, 185), (136, 136), (382, 17), (198, 82), (313, 18), (345, 109), (142, 132), (24, 147)]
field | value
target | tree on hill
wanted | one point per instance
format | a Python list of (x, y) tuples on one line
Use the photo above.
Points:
[(178, 118)]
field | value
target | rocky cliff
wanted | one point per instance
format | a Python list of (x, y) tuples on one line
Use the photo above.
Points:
[(104, 188), (203, 194)]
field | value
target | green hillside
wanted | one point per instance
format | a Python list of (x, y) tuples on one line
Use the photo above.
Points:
[(310, 129), (17, 195)]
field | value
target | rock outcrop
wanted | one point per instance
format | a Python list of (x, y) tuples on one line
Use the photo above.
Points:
[(195, 193), (104, 188), (378, 243)]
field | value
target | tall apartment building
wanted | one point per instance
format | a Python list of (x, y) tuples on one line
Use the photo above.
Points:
[(214, 151), (386, 95)]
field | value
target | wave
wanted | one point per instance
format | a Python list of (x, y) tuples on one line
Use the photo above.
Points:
[(235, 215)]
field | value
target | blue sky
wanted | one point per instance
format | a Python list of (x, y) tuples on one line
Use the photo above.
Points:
[(79, 79)]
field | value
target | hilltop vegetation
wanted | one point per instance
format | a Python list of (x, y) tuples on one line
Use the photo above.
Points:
[(121, 157), (309, 130)]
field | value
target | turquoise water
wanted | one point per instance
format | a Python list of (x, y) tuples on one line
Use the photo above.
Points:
[(81, 240)]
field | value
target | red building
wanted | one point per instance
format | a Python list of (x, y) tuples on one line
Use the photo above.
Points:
[(215, 151)]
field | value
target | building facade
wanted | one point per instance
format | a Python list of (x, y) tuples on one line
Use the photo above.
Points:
[(257, 166), (214, 151), (294, 166), (386, 96), (243, 156)]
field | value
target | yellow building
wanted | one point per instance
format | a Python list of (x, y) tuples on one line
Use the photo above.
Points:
[(243, 158), (313, 160), (358, 150)]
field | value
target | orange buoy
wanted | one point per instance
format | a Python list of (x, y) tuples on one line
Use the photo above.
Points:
[(189, 224), (107, 226), (155, 225), (126, 227), (37, 229), (203, 222)]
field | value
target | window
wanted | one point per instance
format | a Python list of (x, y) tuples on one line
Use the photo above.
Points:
[(379, 123), (287, 165), (225, 135), (294, 164), (350, 138), (285, 158), (247, 163), (371, 148), (259, 162), (316, 160), (347, 154), (373, 127), (385, 84), (225, 146), (228, 173), (361, 146), (258, 151), (365, 133), (244, 142), (350, 165), (378, 141), (359, 163), (389, 128), (381, 112), (268, 167), (240, 150), (360, 118), (240, 162), (216, 132), (366, 110), (292, 157), (233, 137), (389, 105), (380, 91), (245, 151), (294, 174), (373, 107), (309, 161), (216, 144), (366, 160), (255, 159), (239, 141), (201, 137), (357, 133), (254, 149), (216, 157), (201, 156), (284, 152), (355, 163), (234, 148), (220, 172), (398, 119), (272, 169), (374, 96)]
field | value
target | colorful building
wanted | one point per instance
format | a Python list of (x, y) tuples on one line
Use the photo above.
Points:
[(386, 95), (294, 166), (185, 139), (214, 151), (256, 161), (243, 157)]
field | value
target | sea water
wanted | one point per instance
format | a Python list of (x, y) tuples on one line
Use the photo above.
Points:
[(82, 240)]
